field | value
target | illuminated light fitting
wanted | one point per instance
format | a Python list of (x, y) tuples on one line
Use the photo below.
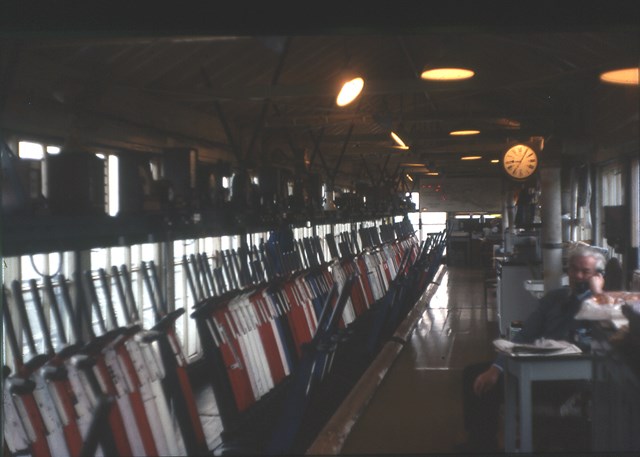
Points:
[(464, 132), (447, 74), (409, 177), (471, 158), (433, 173), (399, 143), (495, 161), (350, 91), (627, 76)]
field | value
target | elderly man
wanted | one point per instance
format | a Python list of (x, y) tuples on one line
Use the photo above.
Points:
[(554, 319)]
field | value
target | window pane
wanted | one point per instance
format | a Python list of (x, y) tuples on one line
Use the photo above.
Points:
[(185, 326), (148, 251), (28, 150), (33, 266), (33, 324), (434, 217), (415, 199), (56, 261), (113, 186), (99, 258), (118, 256), (178, 249)]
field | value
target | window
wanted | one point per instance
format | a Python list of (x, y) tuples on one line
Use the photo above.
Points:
[(29, 150), (113, 194), (612, 192), (183, 296), (432, 222), (23, 270)]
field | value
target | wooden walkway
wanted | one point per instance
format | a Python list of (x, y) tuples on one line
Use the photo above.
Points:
[(418, 409)]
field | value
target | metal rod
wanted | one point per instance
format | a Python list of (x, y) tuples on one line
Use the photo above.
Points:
[(55, 309), (128, 284), (37, 303), (106, 287), (16, 288)]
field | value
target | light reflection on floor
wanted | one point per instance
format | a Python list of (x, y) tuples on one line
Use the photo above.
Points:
[(418, 408)]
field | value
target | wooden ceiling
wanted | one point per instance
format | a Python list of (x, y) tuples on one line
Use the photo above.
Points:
[(265, 97)]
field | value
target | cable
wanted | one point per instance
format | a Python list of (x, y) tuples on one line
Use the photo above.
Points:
[(42, 275)]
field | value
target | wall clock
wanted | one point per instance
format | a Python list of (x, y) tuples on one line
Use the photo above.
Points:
[(520, 161)]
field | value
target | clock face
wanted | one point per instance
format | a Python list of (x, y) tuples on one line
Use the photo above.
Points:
[(520, 161)]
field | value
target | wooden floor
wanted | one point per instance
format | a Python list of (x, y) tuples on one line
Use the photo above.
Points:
[(417, 408)]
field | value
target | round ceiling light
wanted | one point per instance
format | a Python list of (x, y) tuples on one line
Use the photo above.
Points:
[(350, 90), (447, 74), (621, 76), (464, 132)]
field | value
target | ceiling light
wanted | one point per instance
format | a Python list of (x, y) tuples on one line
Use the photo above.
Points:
[(464, 132), (495, 161), (446, 74), (433, 173), (621, 76), (409, 177), (400, 144), (350, 90), (471, 158)]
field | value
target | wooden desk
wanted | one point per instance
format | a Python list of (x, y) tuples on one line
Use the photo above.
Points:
[(519, 373)]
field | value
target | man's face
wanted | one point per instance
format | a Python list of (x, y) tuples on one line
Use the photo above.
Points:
[(580, 270)]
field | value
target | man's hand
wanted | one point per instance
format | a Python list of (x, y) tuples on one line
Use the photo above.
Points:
[(596, 283), (486, 380)]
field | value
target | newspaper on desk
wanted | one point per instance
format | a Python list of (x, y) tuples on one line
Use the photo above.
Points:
[(540, 347)]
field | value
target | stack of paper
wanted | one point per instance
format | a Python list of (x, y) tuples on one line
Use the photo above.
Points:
[(541, 346)]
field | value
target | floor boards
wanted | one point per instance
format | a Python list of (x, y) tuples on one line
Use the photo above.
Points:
[(417, 408)]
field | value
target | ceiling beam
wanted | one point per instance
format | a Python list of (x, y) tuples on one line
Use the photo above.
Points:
[(266, 103), (125, 39), (460, 89), (504, 120), (428, 138), (322, 89)]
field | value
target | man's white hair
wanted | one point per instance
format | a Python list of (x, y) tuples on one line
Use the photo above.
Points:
[(584, 250)]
